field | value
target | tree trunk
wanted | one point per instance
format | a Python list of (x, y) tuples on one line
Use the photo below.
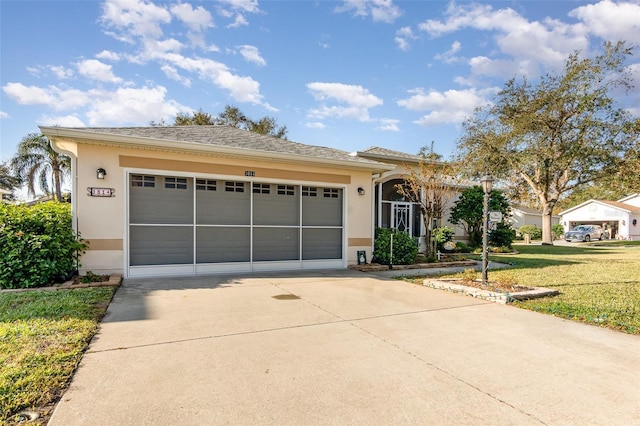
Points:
[(547, 235), (57, 184)]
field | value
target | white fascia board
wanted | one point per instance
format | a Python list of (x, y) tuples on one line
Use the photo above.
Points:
[(133, 141), (590, 202)]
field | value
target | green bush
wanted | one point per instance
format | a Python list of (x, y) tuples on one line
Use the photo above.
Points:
[(442, 235), (405, 248), (534, 232), (557, 231), (502, 236), (37, 244), (462, 247)]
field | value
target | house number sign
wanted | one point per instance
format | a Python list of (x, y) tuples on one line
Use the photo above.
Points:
[(101, 192)]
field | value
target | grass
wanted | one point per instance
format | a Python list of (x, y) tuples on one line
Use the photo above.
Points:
[(43, 335), (599, 283)]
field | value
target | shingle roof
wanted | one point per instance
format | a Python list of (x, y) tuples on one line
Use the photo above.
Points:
[(224, 136), (622, 206), (389, 153)]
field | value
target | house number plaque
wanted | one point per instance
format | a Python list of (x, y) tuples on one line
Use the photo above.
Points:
[(101, 192)]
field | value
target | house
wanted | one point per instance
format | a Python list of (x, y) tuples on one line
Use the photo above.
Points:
[(211, 199), (4, 194), (620, 218), (522, 215)]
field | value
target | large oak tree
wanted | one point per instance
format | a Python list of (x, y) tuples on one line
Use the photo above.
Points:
[(547, 139)]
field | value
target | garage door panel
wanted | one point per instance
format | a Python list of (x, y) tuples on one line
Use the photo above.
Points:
[(160, 245), (271, 244), (221, 244), (223, 208), (158, 204), (321, 243), (322, 209), (275, 209)]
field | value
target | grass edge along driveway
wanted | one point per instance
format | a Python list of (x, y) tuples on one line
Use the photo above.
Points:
[(43, 335), (599, 282)]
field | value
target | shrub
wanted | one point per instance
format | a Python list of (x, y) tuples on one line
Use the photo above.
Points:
[(534, 232), (502, 236), (557, 231), (462, 247), (37, 244), (442, 235), (405, 248)]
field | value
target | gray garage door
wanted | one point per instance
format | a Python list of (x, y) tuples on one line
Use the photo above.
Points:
[(189, 225)]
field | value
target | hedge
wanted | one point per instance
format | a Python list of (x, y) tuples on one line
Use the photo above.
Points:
[(37, 244)]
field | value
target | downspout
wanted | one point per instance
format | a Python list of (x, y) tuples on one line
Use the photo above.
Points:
[(74, 187)]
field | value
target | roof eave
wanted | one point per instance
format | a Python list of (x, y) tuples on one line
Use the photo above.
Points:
[(139, 141)]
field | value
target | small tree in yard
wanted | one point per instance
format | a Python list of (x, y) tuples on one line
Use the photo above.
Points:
[(468, 211), (432, 187), (565, 132)]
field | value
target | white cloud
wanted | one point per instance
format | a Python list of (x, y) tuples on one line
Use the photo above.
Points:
[(237, 9), (611, 21), (403, 35), (172, 73), (53, 97), (96, 70), (197, 19), (451, 106), (129, 19), (108, 55), (389, 125), (252, 54), (314, 125), (61, 72), (380, 10), (450, 55), (137, 106), (4, 115), (358, 101), (63, 121)]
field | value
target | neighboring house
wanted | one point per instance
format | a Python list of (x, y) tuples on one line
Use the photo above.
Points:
[(391, 209), (521, 215), (621, 219)]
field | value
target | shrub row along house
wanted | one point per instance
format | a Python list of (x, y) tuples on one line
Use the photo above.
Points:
[(211, 199)]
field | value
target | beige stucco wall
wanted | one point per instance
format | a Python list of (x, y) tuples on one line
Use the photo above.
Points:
[(102, 221)]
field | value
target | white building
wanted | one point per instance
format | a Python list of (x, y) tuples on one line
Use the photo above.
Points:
[(620, 218)]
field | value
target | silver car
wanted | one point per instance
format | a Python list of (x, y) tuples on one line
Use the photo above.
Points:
[(584, 233)]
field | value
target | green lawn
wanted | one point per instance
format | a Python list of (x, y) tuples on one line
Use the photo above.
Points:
[(43, 335), (599, 283)]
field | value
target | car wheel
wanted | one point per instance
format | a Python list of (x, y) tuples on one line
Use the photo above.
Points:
[(587, 238)]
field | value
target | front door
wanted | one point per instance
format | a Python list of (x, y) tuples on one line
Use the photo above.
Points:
[(401, 217)]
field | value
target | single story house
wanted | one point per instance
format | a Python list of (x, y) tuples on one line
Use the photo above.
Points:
[(619, 218), (522, 215), (212, 199)]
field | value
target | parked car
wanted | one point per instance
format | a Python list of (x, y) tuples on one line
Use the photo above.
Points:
[(585, 233)]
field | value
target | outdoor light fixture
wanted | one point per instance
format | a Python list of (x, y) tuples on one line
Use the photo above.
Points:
[(101, 173), (487, 185), (360, 190)]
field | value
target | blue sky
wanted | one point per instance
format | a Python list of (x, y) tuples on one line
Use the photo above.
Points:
[(344, 74)]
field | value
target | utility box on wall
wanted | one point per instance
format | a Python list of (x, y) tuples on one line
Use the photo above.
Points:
[(362, 257)]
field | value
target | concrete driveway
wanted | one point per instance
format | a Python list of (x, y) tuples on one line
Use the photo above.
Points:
[(342, 347)]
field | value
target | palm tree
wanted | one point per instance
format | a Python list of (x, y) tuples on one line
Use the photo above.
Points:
[(37, 161), (7, 180)]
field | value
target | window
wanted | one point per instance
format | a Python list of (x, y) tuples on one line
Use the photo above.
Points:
[(286, 190), (206, 185), (309, 191), (234, 186), (143, 181), (331, 193), (175, 183), (261, 188)]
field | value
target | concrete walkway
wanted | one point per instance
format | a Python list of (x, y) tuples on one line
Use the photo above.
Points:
[(344, 347)]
